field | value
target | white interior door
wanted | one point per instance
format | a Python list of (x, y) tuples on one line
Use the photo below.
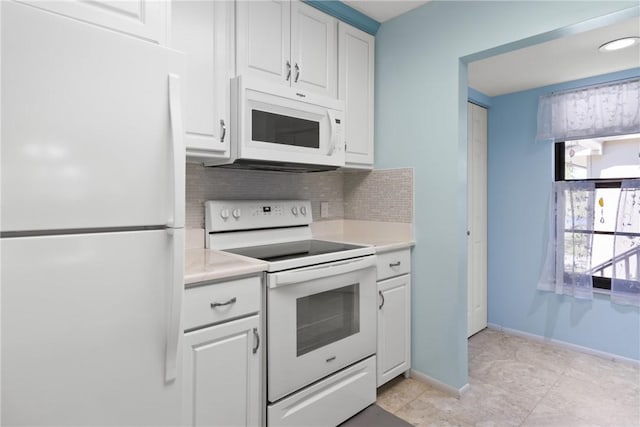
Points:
[(477, 218)]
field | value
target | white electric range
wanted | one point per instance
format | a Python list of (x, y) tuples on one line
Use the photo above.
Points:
[(320, 309)]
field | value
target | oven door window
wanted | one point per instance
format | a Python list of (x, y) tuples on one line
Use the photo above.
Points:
[(327, 317), (286, 130)]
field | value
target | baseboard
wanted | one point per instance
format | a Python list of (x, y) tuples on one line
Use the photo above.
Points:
[(439, 384), (567, 345)]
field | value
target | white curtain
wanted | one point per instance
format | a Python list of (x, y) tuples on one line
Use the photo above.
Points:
[(590, 112), (625, 282), (567, 268)]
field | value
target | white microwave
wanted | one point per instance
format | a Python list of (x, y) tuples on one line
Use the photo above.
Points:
[(281, 128)]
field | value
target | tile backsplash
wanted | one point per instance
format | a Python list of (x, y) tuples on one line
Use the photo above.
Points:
[(381, 195)]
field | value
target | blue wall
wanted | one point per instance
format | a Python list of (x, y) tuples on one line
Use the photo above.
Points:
[(519, 180), (420, 113)]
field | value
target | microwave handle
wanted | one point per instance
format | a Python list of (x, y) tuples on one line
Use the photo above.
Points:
[(333, 126), (328, 270)]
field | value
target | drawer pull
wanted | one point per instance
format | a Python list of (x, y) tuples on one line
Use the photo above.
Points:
[(394, 264), (331, 359), (220, 304)]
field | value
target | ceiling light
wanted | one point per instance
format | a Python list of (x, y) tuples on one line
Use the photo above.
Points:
[(619, 44)]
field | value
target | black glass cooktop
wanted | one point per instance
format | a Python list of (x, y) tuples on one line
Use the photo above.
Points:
[(292, 250)]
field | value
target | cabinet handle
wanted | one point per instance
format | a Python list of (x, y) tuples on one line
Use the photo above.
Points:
[(257, 337), (297, 73), (288, 70), (382, 303), (223, 130), (394, 264), (220, 304)]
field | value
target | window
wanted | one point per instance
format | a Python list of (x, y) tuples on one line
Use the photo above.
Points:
[(606, 162)]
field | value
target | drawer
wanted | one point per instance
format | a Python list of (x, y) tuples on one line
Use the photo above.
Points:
[(394, 263), (330, 401), (217, 302)]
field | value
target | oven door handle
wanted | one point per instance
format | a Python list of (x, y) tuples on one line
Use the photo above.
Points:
[(320, 271)]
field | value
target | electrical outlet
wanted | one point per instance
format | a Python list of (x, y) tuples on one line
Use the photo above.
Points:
[(324, 209)]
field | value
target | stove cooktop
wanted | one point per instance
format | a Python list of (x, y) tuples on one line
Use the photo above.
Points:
[(293, 250)]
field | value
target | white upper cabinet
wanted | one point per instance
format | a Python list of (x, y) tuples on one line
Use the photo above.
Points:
[(314, 50), (203, 30), (356, 86), (145, 19), (263, 31), (288, 42)]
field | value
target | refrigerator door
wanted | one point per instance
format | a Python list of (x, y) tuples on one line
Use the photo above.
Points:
[(86, 126), (86, 320)]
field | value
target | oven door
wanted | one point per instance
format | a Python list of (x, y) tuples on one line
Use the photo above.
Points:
[(280, 124), (320, 319)]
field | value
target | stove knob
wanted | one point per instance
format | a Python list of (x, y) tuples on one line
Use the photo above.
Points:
[(294, 211), (236, 213), (224, 213), (303, 210)]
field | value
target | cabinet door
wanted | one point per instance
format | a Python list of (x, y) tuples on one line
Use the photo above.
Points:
[(263, 31), (204, 31), (222, 375), (314, 50), (394, 327), (146, 19), (355, 86)]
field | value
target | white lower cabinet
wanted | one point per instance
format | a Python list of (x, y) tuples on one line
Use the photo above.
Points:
[(394, 315), (222, 370)]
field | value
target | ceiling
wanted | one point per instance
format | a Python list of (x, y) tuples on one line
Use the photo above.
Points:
[(561, 60), (383, 10)]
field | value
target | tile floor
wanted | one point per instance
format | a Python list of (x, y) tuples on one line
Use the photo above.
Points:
[(515, 381)]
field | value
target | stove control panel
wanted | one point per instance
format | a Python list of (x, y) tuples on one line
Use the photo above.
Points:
[(228, 215)]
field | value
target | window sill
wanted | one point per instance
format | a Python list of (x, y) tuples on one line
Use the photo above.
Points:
[(599, 291)]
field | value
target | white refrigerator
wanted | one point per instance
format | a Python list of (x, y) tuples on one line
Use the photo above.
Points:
[(92, 217)]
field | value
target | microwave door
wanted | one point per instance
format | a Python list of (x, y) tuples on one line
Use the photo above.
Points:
[(272, 128)]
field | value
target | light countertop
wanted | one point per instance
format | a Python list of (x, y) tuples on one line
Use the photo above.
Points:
[(385, 236), (206, 264)]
